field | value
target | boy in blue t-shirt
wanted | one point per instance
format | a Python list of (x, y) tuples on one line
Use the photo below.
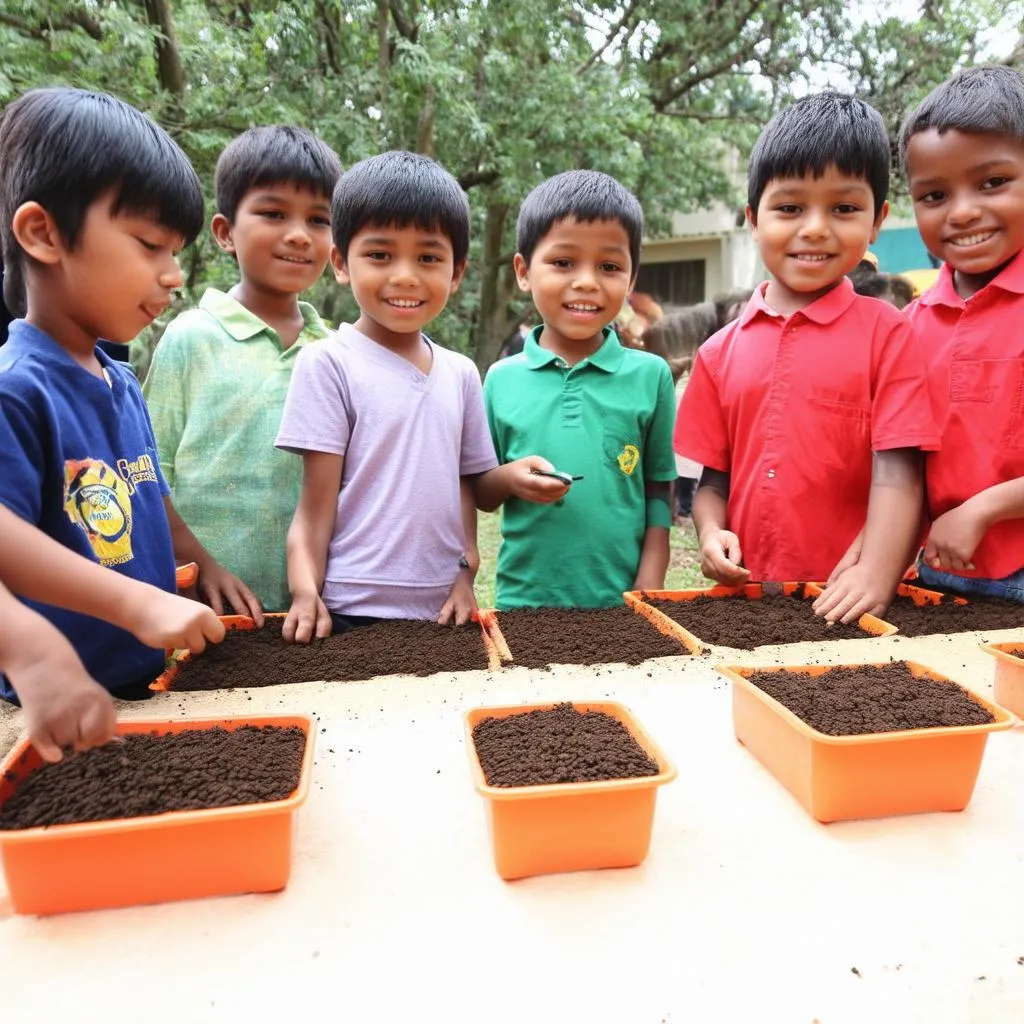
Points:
[(95, 203)]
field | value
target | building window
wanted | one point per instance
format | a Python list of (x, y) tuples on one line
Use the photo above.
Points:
[(673, 284)]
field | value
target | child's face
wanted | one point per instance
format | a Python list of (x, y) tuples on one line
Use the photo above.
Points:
[(579, 276), (281, 237), (968, 193), (115, 282), (812, 232), (401, 278)]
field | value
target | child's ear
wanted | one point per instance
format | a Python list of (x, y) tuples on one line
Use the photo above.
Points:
[(341, 274), (879, 221), (751, 215), (522, 269), (220, 228), (37, 233), (460, 271)]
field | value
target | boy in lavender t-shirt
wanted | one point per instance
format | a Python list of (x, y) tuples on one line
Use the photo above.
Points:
[(390, 426)]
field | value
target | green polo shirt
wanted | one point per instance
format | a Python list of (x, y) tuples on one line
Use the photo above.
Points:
[(609, 418), (215, 392)]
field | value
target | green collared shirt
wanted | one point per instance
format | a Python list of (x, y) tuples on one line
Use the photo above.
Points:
[(609, 419), (215, 392)]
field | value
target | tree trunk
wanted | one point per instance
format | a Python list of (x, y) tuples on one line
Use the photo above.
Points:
[(172, 74), (497, 286), (383, 60)]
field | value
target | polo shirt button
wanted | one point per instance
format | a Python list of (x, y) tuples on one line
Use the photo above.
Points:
[(560, 364), (771, 474)]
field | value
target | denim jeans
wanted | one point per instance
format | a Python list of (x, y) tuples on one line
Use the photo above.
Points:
[(1009, 587)]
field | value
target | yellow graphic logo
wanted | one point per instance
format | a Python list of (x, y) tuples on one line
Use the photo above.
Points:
[(98, 501), (628, 458)]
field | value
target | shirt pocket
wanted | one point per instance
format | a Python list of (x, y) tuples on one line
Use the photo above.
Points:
[(992, 389), (843, 433), (620, 443)]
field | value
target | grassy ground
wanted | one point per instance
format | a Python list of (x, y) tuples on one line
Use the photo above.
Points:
[(683, 571)]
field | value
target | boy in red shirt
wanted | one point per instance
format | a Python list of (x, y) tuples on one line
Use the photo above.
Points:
[(963, 153), (810, 410)]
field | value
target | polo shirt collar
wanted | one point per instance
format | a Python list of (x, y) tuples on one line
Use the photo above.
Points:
[(944, 293), (241, 323), (822, 311), (607, 358)]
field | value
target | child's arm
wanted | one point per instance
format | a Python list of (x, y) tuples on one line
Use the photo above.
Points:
[(461, 601), (37, 567), (216, 584), (720, 555), (891, 533), (956, 534), (654, 555), (64, 707), (309, 539)]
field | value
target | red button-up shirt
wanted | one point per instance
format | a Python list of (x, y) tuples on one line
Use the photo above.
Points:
[(792, 407), (975, 354)]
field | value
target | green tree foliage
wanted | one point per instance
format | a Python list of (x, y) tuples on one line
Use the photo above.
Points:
[(503, 92)]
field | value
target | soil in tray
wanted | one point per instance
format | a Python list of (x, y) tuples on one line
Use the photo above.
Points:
[(561, 745), (404, 646), (948, 617), (538, 637), (151, 774), (746, 623), (871, 698)]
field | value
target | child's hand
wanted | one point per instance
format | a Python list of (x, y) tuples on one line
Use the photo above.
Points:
[(954, 537), (461, 601), (855, 592), (529, 486), (720, 558), (217, 586), (308, 617), (166, 620), (64, 706), (850, 557)]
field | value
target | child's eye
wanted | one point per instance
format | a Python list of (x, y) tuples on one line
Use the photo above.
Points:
[(378, 257), (787, 208), (271, 214), (429, 257), (148, 246), (562, 263), (321, 222), (610, 268), (935, 196), (991, 183), (847, 208)]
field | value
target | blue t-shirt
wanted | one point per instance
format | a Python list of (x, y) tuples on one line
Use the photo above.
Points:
[(78, 460)]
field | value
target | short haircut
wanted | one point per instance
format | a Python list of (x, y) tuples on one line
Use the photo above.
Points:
[(65, 148), (819, 132), (277, 154), (987, 99), (400, 190), (585, 196)]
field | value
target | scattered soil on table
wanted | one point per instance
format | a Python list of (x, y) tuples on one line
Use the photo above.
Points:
[(538, 637), (152, 774), (746, 623), (538, 748), (398, 646), (948, 617), (871, 698)]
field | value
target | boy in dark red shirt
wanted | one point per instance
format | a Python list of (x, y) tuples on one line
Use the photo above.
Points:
[(963, 153), (809, 411)]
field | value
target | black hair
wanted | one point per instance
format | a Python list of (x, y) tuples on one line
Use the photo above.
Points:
[(819, 132), (401, 190), (987, 99), (585, 196), (65, 148), (277, 154)]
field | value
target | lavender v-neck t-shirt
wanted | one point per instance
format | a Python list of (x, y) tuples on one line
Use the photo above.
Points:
[(406, 438)]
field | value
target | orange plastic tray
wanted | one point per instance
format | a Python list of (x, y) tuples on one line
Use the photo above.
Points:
[(870, 776), (920, 596), (539, 830), (175, 856), (185, 576), (1009, 682), (751, 591)]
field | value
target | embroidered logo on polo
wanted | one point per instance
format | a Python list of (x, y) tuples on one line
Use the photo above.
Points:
[(629, 458), (98, 501)]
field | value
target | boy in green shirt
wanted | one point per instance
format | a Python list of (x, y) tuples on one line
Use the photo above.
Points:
[(220, 374), (600, 412)]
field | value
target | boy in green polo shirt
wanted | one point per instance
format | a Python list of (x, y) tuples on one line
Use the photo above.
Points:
[(220, 374), (575, 396)]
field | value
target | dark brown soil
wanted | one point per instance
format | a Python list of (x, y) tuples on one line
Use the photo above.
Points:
[(539, 748), (747, 623), (871, 698), (153, 774), (538, 637), (398, 646), (949, 617)]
